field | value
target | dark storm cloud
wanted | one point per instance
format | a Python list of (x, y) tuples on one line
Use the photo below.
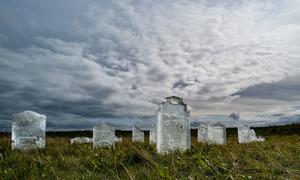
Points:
[(180, 84), (21, 21), (287, 90), (234, 116)]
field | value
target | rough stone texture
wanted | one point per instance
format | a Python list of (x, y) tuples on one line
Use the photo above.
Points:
[(252, 135), (216, 134), (173, 126), (254, 138), (202, 133), (81, 140), (152, 136), (104, 135), (28, 130), (137, 134), (243, 134), (260, 139)]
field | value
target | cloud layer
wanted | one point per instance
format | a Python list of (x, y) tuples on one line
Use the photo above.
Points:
[(119, 59)]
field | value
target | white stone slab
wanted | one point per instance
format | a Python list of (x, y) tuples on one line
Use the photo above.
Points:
[(252, 135), (81, 140), (254, 138), (137, 134), (103, 135), (202, 133), (173, 126), (28, 130), (216, 134), (243, 134), (260, 139)]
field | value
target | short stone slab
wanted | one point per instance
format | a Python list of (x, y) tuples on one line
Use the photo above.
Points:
[(243, 134), (137, 134), (81, 140), (103, 135), (254, 138), (202, 133), (28, 130), (216, 133)]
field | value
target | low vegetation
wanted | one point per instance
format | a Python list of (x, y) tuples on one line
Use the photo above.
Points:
[(276, 158)]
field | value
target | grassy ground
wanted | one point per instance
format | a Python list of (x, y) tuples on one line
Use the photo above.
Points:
[(276, 158)]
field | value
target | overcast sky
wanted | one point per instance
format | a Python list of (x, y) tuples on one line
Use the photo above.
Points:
[(83, 61)]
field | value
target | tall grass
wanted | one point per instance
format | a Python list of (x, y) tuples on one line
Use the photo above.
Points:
[(276, 158)]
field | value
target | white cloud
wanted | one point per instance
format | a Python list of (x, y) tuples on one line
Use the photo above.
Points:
[(216, 51), (128, 55)]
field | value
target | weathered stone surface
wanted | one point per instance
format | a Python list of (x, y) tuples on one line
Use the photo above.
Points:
[(254, 138), (202, 133), (28, 130), (173, 126), (152, 136), (104, 135), (243, 134), (252, 135), (216, 133), (260, 139), (137, 134), (81, 140)]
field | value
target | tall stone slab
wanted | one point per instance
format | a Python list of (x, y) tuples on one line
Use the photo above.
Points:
[(202, 133), (28, 130), (103, 135), (216, 133), (173, 126), (137, 134), (152, 136), (243, 134)]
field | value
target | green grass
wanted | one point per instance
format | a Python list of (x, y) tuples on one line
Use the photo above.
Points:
[(276, 158)]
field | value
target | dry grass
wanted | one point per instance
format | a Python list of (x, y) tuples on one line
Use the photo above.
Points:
[(276, 158)]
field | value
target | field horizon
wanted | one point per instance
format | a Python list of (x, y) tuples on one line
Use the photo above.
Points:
[(276, 158)]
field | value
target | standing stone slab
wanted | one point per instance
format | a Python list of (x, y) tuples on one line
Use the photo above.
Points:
[(216, 133), (103, 135), (173, 126), (137, 134), (28, 130), (202, 133), (243, 134), (152, 136)]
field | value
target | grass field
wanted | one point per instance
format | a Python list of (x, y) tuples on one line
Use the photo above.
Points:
[(276, 158)]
